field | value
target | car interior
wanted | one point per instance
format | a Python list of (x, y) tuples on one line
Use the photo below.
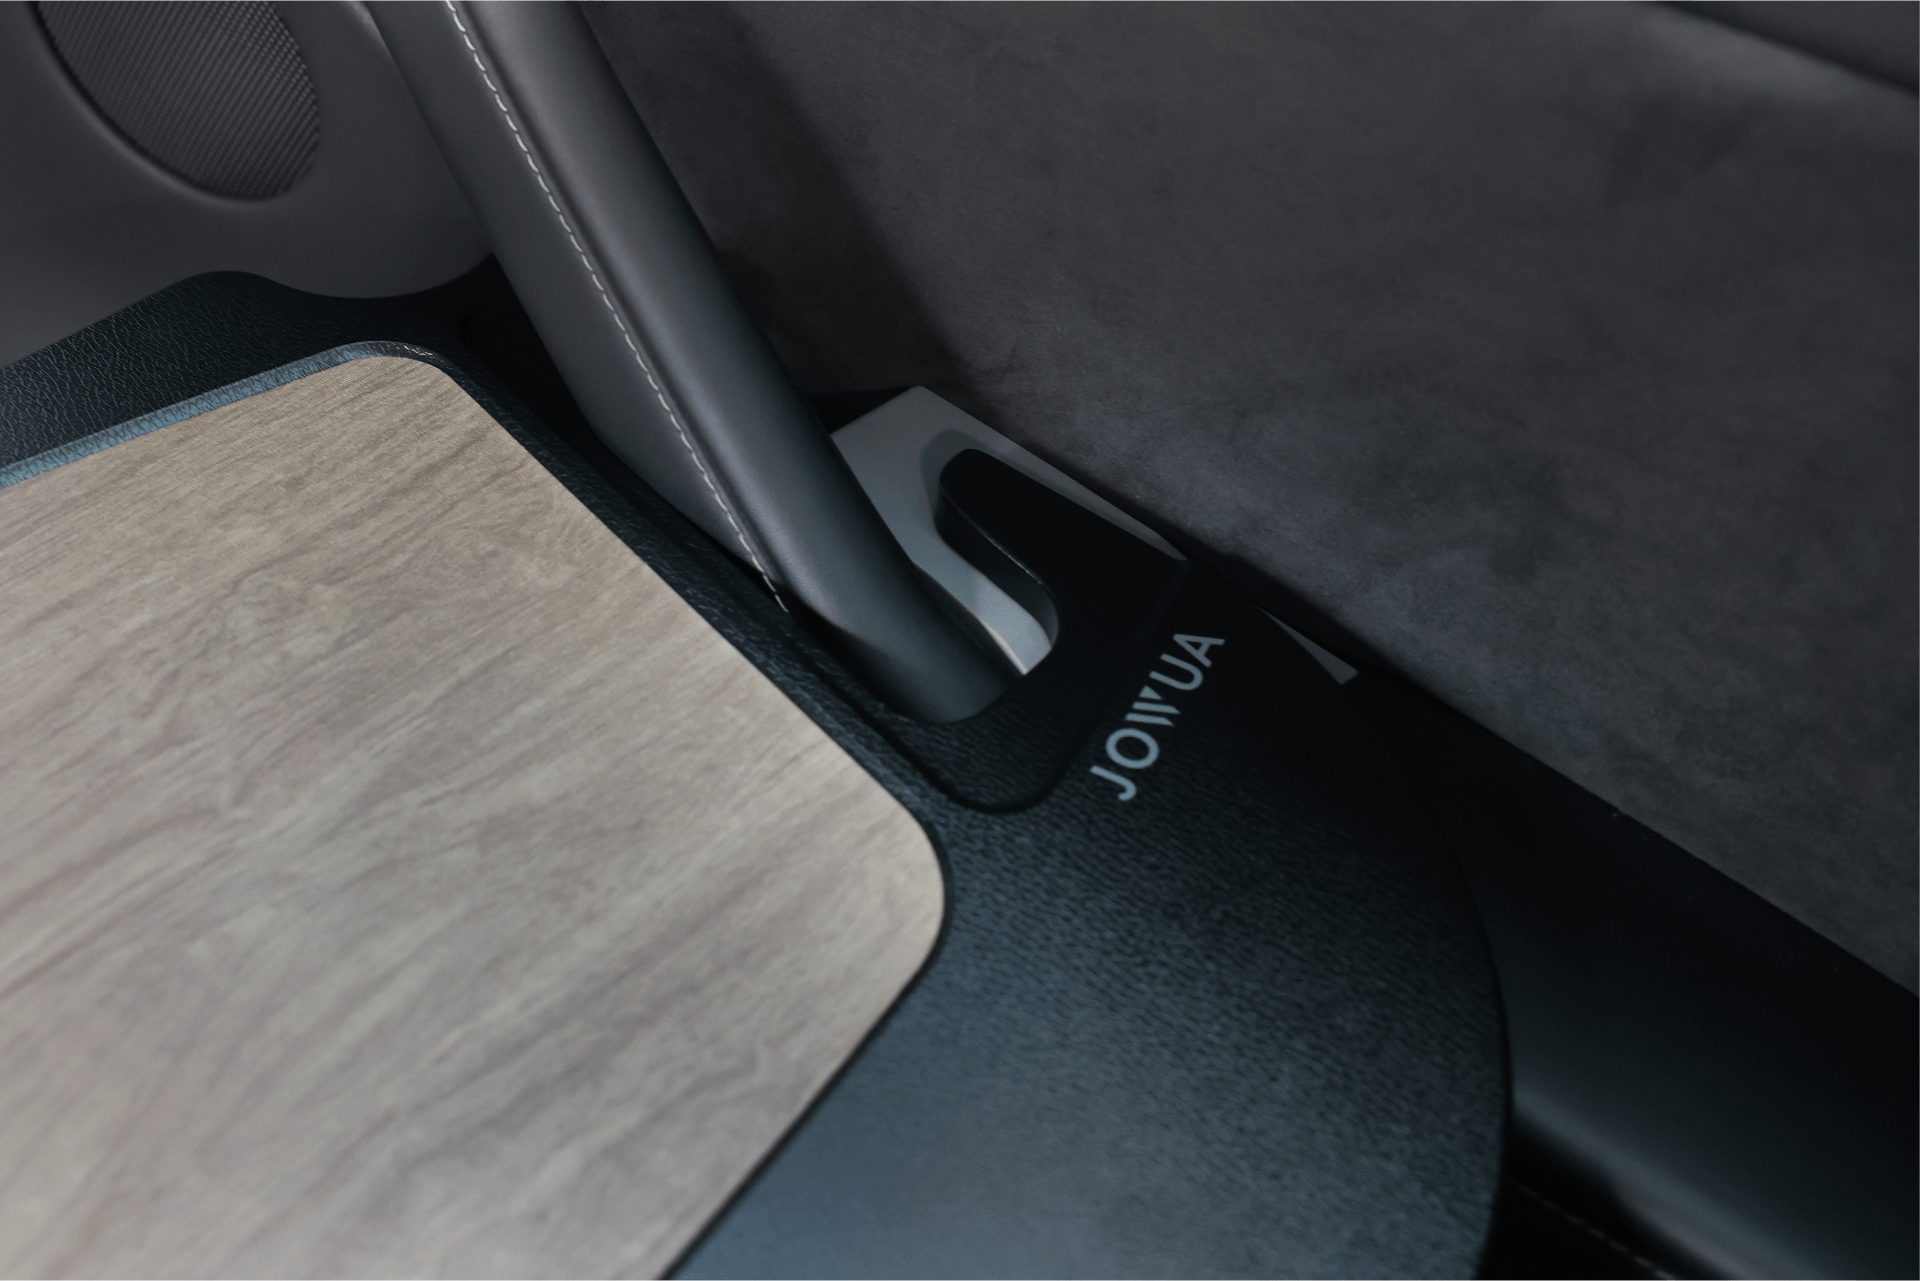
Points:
[(932, 639)]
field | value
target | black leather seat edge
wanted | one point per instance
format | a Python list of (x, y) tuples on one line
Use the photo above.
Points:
[(619, 279)]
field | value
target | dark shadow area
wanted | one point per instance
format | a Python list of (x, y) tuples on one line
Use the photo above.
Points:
[(1698, 1078), (835, 409), (1534, 1237)]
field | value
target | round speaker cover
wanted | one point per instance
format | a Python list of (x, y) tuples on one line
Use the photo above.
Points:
[(216, 93)]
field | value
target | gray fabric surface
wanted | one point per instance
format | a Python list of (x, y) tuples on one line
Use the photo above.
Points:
[(1878, 37), (1565, 355)]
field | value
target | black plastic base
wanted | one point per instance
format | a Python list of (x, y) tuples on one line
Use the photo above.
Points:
[(1213, 1006), (1239, 1022)]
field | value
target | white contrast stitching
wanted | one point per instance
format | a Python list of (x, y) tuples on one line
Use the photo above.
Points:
[(1606, 1237), (726, 508)]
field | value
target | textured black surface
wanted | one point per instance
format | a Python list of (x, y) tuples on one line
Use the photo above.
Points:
[(147, 356), (1168, 1035), (1699, 1079), (212, 90), (1240, 1024), (1562, 353)]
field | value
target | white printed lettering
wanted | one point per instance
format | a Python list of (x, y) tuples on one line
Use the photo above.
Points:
[(1132, 762), (1197, 646), (1190, 669), (1151, 709), (1127, 789)]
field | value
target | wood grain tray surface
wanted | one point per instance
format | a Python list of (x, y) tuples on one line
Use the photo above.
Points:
[(396, 877)]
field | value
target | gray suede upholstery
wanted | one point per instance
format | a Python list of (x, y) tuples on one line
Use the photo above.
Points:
[(1564, 355)]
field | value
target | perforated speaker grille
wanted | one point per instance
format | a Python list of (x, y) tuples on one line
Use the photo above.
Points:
[(215, 92)]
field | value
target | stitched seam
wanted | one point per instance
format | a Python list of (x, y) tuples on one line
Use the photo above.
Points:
[(686, 439), (1591, 1230)]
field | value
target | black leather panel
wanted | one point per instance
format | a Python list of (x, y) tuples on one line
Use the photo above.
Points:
[(618, 278)]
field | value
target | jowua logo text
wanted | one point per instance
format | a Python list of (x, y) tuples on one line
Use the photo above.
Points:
[(1135, 748)]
